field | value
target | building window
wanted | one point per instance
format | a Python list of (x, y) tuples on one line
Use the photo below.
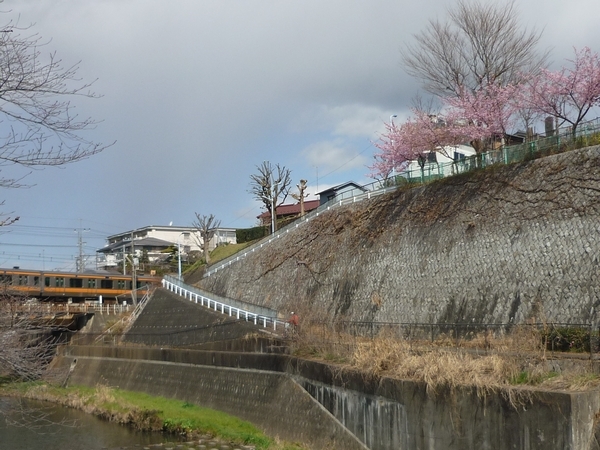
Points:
[(432, 157)]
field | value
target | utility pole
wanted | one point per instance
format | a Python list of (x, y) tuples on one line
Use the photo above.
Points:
[(80, 263), (133, 274)]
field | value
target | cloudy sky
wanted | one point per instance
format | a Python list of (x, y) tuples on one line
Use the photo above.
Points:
[(196, 94)]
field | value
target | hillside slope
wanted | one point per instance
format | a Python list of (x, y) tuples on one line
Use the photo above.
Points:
[(512, 244)]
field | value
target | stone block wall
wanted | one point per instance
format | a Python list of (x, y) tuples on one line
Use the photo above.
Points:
[(169, 319), (511, 244)]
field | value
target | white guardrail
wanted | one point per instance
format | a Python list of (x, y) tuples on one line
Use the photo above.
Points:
[(70, 308), (379, 187), (232, 311), (343, 198)]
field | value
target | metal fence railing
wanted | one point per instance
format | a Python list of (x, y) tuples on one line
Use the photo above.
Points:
[(70, 308), (564, 140), (554, 337), (344, 338), (258, 315)]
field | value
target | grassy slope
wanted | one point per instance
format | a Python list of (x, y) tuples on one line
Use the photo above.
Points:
[(148, 413)]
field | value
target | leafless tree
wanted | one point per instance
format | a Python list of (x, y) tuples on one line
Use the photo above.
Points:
[(301, 195), (39, 125), (271, 185), (479, 43), (26, 342), (206, 226)]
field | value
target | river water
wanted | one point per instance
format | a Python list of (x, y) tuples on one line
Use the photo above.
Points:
[(30, 425)]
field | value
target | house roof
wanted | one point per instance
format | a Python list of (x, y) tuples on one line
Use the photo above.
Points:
[(291, 209), (151, 228), (339, 187), (144, 242)]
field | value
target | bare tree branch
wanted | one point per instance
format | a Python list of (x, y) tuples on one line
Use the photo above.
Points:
[(26, 341), (480, 43), (271, 186), (39, 126), (206, 226)]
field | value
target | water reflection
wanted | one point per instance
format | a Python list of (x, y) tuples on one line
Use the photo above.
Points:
[(27, 425)]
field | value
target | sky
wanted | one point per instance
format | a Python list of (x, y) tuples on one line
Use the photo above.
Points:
[(195, 94)]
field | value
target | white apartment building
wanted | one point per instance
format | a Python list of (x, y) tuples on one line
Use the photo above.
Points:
[(154, 240)]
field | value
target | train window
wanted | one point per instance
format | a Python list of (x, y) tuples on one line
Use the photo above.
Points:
[(75, 282), (5, 279), (106, 284), (47, 281), (59, 282), (91, 283), (36, 281), (22, 281), (120, 284)]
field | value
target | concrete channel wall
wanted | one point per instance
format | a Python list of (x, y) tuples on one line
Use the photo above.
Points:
[(271, 400), (317, 404)]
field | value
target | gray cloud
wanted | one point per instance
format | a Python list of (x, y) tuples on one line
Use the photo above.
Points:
[(196, 93)]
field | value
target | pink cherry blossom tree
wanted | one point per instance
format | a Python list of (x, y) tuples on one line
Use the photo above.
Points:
[(410, 141), (483, 114), (472, 117), (568, 94)]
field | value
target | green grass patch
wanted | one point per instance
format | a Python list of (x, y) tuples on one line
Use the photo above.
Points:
[(218, 254), (527, 378), (145, 412), (225, 251)]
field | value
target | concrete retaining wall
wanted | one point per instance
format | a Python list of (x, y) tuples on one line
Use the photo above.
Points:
[(272, 391), (510, 244), (271, 400)]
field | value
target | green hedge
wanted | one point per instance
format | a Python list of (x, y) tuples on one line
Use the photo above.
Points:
[(251, 234), (568, 339)]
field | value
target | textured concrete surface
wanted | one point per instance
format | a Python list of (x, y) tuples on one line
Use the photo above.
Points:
[(513, 244), (382, 413)]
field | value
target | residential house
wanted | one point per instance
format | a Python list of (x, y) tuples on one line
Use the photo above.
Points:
[(341, 191), (154, 241), (286, 213), (443, 162)]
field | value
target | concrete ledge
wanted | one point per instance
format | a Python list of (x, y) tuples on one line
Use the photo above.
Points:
[(272, 391), (270, 400)]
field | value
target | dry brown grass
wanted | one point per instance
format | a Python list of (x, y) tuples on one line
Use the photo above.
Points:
[(435, 366), (487, 361)]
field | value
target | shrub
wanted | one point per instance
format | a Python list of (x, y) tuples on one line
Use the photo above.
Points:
[(251, 234), (567, 339)]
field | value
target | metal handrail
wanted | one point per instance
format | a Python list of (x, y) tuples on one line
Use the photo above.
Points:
[(182, 290)]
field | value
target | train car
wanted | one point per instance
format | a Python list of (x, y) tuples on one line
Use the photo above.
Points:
[(63, 285)]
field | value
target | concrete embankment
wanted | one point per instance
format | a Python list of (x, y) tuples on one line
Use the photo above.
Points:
[(321, 404), (270, 399), (272, 391)]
